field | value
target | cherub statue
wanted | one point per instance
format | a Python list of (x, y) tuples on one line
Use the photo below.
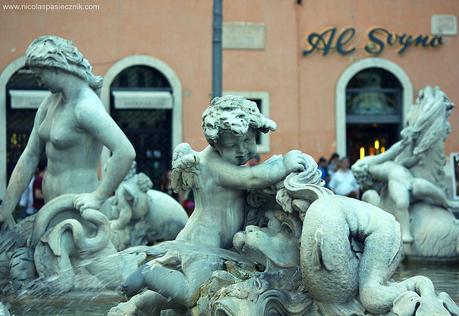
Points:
[(410, 173), (402, 187), (219, 183)]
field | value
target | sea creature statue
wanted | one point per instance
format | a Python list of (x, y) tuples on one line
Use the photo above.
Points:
[(408, 180), (141, 216), (348, 251), (297, 249), (67, 242)]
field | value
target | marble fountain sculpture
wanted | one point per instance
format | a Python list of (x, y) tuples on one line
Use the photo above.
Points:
[(408, 180), (70, 243), (139, 215), (271, 239), (263, 240)]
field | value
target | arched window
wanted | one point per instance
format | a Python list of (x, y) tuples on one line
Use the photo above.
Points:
[(23, 96), (141, 104), (374, 112)]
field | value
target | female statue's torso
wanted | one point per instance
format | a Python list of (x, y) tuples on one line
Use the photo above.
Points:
[(73, 154)]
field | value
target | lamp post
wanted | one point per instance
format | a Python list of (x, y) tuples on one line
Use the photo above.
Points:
[(217, 48)]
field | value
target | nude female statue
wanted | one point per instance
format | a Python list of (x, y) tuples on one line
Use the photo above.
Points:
[(71, 126)]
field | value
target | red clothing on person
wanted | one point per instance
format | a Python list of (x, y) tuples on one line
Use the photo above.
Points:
[(37, 202)]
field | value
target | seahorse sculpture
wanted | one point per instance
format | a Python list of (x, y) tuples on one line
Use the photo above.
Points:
[(64, 240)]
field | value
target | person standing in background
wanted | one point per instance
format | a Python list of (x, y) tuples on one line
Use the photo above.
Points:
[(38, 198), (332, 164), (26, 202), (343, 182), (323, 167)]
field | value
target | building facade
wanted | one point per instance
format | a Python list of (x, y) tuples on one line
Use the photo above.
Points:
[(335, 75)]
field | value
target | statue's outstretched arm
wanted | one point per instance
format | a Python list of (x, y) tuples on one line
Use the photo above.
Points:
[(259, 176), (95, 120), (25, 168), (389, 154)]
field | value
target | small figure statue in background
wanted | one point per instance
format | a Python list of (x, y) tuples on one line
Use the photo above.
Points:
[(141, 216), (408, 179)]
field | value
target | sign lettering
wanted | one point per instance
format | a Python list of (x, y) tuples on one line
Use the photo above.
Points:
[(378, 39)]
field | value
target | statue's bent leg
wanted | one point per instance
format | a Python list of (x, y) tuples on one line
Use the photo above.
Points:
[(150, 302), (401, 197), (170, 283), (425, 189)]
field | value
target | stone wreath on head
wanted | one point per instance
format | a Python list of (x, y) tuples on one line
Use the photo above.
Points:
[(56, 52), (363, 176), (235, 114)]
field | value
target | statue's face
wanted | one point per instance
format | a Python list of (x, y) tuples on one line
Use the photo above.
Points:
[(277, 243), (237, 149), (48, 77)]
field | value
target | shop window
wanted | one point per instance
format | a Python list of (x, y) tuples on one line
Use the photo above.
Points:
[(262, 100), (141, 104), (373, 112)]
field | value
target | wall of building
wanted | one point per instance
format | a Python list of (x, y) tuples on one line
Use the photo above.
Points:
[(424, 66), (302, 89)]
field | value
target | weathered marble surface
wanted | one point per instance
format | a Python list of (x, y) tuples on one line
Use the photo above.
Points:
[(408, 180), (141, 216), (274, 242), (3, 310), (71, 127)]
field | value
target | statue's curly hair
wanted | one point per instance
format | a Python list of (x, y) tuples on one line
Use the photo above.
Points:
[(144, 182), (235, 114), (56, 52), (363, 176)]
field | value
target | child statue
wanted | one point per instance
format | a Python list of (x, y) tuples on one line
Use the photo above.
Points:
[(219, 182)]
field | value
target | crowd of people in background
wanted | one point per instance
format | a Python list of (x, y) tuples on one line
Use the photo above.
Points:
[(338, 176)]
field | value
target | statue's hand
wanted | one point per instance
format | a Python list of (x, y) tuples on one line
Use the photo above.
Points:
[(294, 161), (88, 200), (361, 165)]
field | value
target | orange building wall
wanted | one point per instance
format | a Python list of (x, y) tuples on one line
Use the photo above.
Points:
[(302, 89), (174, 31), (423, 66)]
